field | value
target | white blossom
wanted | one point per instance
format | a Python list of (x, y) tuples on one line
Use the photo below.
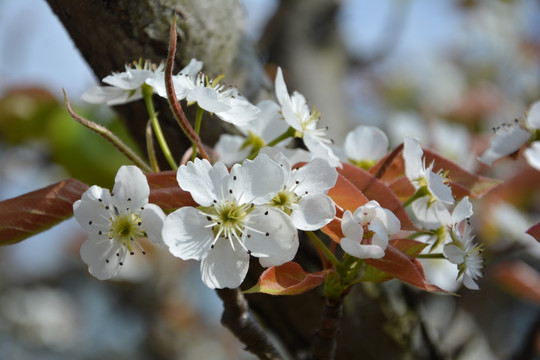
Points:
[(116, 221), (124, 86), (296, 113), (209, 94), (463, 252), (232, 221), (365, 145), (438, 195), (303, 193), (368, 230), (510, 137)]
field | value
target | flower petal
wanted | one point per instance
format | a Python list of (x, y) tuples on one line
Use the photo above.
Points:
[(270, 232), (240, 112), (282, 94), (412, 154), (224, 267), (507, 140), (312, 212), (229, 148), (152, 219), (532, 154), (100, 256), (351, 228), (256, 181), (320, 149), (203, 181), (131, 188), (356, 249), (207, 99), (366, 143), (186, 234), (316, 177), (90, 213), (533, 116)]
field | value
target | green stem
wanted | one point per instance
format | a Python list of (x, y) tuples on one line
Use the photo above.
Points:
[(321, 246), (431, 256), (147, 92), (110, 137), (287, 134), (423, 191), (198, 121), (150, 149)]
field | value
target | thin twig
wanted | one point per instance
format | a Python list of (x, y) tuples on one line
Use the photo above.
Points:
[(324, 344), (237, 319), (173, 100), (109, 136)]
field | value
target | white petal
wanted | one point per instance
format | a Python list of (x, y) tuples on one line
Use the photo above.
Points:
[(290, 116), (269, 123), (95, 254), (193, 68), (224, 267), (506, 141), (229, 149), (438, 189), (356, 249), (391, 223), (316, 177), (454, 254), (462, 211), (152, 219), (207, 99), (185, 234), (532, 154), (157, 82), (90, 213), (533, 116), (428, 216), (312, 212), (412, 154), (271, 232), (203, 181), (128, 80), (469, 282), (282, 93), (110, 95), (351, 228), (366, 143), (281, 258), (131, 188), (321, 149), (257, 181), (240, 112)]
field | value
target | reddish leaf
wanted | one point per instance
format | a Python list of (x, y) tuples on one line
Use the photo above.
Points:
[(409, 246), (287, 279), (397, 264), (333, 230), (37, 211), (375, 189), (463, 182), (346, 195), (534, 231), (166, 193), (519, 279)]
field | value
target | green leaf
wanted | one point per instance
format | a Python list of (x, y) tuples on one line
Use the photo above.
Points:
[(37, 211), (287, 279)]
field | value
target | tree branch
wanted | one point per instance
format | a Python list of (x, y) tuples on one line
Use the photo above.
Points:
[(237, 319), (324, 344)]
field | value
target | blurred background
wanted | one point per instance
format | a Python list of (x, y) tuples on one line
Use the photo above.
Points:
[(444, 71)]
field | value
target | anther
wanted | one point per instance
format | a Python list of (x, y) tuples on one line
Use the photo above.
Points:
[(267, 234), (266, 212), (90, 222), (230, 191), (107, 261), (234, 177), (208, 218)]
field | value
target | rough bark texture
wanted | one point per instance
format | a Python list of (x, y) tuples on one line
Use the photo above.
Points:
[(111, 33), (379, 322)]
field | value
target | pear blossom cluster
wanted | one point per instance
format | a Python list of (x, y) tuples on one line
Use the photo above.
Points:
[(261, 192)]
